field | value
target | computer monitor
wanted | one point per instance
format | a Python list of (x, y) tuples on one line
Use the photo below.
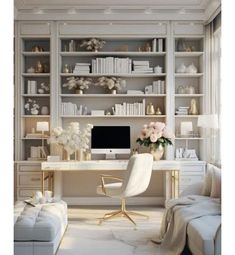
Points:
[(110, 140)]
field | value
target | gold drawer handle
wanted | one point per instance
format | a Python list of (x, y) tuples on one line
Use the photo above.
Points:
[(35, 179)]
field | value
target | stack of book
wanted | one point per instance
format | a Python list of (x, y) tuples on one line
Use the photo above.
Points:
[(182, 110), (81, 68), (127, 109), (111, 65), (141, 67)]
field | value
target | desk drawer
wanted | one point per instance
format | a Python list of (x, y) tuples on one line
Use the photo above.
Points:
[(24, 193), (29, 179), (29, 168), (186, 180)]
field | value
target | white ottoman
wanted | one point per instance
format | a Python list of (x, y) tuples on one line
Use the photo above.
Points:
[(39, 230)]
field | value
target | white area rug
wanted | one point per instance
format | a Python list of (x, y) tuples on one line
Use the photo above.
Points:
[(115, 237)]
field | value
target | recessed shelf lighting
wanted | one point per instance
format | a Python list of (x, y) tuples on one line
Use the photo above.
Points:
[(38, 11), (182, 11)]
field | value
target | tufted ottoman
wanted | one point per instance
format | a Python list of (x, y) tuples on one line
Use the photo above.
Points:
[(39, 230)]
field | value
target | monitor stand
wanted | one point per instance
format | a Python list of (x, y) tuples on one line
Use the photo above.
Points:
[(110, 156)]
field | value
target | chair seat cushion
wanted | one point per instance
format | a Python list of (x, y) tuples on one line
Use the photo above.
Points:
[(40, 223), (201, 233), (112, 189)]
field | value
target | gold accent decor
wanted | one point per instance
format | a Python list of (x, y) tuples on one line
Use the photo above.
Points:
[(157, 152)]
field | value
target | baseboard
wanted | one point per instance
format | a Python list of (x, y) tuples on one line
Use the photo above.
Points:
[(113, 201)]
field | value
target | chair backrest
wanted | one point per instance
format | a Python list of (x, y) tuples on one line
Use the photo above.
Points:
[(138, 174)]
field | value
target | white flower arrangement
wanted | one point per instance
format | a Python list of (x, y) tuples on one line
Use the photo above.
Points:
[(32, 107), (93, 44), (111, 83), (43, 88), (78, 83), (71, 138)]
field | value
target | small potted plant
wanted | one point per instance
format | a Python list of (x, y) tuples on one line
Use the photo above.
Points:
[(111, 83), (156, 136), (31, 107), (79, 84), (93, 44)]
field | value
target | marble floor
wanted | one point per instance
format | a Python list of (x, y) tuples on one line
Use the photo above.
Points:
[(115, 237)]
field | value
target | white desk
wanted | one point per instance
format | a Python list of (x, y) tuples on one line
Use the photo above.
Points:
[(170, 168)]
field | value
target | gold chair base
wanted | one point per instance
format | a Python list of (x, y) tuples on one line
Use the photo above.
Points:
[(122, 213)]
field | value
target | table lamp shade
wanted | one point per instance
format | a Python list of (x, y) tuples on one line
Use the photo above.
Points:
[(42, 126), (186, 127), (208, 121)]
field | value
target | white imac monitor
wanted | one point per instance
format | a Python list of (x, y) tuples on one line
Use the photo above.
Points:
[(110, 140)]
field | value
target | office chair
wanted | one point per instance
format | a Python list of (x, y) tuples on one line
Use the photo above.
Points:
[(135, 182)]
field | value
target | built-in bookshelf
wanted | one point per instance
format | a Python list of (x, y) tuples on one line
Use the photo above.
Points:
[(189, 94), (130, 59), (35, 97)]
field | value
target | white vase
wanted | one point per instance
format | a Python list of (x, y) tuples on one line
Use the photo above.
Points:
[(157, 152), (181, 69), (44, 110)]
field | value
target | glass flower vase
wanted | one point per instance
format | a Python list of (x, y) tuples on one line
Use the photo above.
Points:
[(66, 155), (157, 152)]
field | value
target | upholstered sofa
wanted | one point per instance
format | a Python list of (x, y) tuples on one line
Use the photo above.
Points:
[(39, 230), (205, 232)]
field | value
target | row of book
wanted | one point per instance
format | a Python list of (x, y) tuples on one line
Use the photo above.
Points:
[(38, 152), (141, 67), (129, 109), (111, 65), (157, 45), (182, 110), (68, 108), (158, 87)]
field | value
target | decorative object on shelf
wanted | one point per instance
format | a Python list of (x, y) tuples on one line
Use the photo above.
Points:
[(191, 69), (43, 126), (147, 47), (31, 70), (185, 154), (186, 128), (71, 138), (93, 44), (181, 68), (111, 83), (66, 68), (181, 90), (37, 48), (87, 155), (158, 69), (32, 107), (150, 109), (156, 136), (158, 111), (181, 45), (39, 67), (72, 46), (189, 90), (44, 89), (79, 83), (45, 68), (44, 110), (193, 107)]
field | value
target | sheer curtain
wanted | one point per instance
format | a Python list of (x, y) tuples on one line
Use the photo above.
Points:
[(213, 102)]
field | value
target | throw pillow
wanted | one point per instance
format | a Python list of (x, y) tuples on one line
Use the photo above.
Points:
[(206, 188), (216, 183)]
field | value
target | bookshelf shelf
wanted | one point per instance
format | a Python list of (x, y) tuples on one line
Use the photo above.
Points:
[(139, 75), (114, 95), (112, 116)]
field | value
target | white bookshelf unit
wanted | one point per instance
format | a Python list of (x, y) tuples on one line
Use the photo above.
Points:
[(126, 42)]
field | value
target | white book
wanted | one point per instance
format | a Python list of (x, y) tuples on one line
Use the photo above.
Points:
[(160, 45), (162, 87), (29, 87), (82, 64), (154, 45), (144, 106), (34, 152), (141, 63)]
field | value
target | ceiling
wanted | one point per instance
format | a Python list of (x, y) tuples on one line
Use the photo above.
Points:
[(115, 9)]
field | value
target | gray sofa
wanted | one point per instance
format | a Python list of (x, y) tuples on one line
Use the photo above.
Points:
[(204, 232)]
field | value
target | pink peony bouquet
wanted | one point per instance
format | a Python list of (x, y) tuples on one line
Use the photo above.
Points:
[(155, 134)]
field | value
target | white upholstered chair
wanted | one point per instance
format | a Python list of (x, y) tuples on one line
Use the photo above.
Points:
[(135, 182)]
